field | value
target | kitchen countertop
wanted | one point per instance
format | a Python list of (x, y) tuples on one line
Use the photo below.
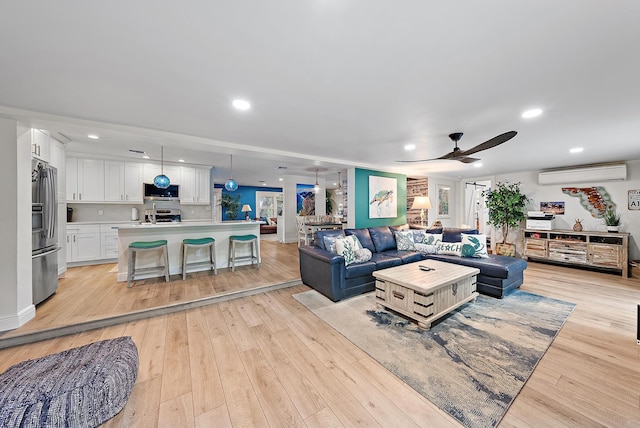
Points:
[(186, 223)]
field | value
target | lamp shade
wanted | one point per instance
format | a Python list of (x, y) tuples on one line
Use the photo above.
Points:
[(421, 203), (246, 208)]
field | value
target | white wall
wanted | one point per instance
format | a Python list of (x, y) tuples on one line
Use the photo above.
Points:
[(287, 229), (618, 190), (16, 305)]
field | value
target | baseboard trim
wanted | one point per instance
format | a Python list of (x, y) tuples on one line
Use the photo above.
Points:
[(134, 316), (15, 321)]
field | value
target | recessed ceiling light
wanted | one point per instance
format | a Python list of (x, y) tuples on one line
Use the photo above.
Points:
[(477, 165), (180, 160), (145, 156), (410, 147), (241, 104), (280, 179), (576, 150), (534, 112), (93, 136)]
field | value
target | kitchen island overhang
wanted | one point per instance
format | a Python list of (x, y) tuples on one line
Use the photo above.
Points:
[(174, 233)]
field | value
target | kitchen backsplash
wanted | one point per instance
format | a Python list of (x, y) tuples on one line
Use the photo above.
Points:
[(122, 212)]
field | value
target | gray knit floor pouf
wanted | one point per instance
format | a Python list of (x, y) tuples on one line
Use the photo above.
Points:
[(79, 387)]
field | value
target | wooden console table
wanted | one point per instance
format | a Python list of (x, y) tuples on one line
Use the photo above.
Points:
[(602, 250)]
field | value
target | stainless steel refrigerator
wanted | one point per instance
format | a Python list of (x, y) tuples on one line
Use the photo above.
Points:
[(44, 230)]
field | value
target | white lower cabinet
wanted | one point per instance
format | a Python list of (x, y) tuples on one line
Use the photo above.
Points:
[(108, 241), (83, 242)]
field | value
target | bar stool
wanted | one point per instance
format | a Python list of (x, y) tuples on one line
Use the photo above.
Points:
[(145, 246), (243, 239), (196, 244)]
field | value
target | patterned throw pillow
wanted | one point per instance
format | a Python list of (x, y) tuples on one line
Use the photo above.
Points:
[(330, 242), (347, 248), (363, 255), (426, 248), (450, 248), (432, 238), (418, 236), (404, 240), (474, 246)]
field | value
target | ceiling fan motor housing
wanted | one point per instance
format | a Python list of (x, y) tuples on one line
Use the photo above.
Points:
[(456, 136)]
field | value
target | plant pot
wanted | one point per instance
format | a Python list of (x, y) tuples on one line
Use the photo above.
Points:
[(506, 250), (613, 229)]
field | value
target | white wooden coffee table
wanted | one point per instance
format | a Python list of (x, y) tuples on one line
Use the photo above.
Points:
[(425, 296)]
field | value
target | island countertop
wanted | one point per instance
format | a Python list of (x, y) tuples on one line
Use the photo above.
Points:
[(174, 233)]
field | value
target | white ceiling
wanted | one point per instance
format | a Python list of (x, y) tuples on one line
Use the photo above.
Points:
[(333, 83)]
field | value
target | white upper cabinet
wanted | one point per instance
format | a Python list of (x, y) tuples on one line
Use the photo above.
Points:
[(152, 170), (194, 186), (85, 180), (122, 181), (40, 144)]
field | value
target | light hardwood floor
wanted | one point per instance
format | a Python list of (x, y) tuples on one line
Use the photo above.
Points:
[(265, 360)]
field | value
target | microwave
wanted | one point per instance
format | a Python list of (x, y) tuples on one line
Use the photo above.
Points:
[(153, 193)]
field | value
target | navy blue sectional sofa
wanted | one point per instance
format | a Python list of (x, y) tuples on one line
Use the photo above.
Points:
[(326, 272)]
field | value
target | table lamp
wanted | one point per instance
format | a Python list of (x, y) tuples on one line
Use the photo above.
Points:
[(421, 203), (245, 209)]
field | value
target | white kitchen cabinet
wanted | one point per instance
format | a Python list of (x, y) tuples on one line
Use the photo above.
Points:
[(151, 170), (83, 242), (194, 186), (85, 180), (40, 144), (59, 162), (108, 241), (122, 181)]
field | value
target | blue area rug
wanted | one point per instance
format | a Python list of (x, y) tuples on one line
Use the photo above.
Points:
[(472, 364)]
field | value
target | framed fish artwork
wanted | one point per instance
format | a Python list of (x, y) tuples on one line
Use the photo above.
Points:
[(382, 197)]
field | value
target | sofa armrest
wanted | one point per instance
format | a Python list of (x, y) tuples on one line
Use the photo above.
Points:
[(322, 270)]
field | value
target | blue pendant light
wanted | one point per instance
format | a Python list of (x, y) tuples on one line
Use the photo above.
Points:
[(231, 185), (161, 181)]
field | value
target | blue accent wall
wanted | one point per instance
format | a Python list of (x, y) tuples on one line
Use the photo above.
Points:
[(361, 197), (247, 196)]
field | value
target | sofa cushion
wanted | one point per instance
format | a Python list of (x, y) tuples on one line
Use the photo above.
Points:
[(319, 236), (384, 261), (474, 245), (404, 240), (356, 270), (363, 236), (452, 234), (382, 238), (404, 256), (495, 266)]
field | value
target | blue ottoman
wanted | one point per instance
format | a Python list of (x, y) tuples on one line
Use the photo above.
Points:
[(79, 387)]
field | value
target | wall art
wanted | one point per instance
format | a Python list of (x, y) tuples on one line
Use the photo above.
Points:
[(382, 197), (556, 208), (443, 192), (634, 199), (596, 200), (305, 199)]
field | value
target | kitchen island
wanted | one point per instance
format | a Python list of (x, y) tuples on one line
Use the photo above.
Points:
[(174, 233)]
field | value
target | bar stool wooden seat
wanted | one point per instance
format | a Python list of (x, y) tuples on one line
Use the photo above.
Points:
[(146, 246), (243, 239), (187, 244)]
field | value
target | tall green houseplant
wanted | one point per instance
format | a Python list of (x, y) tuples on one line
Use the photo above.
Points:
[(506, 205), (231, 204)]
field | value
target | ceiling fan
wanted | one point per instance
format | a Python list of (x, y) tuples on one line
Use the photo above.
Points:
[(462, 155)]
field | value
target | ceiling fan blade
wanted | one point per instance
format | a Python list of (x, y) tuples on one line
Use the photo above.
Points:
[(495, 141), (416, 160)]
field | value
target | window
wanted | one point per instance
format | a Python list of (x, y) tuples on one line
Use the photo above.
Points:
[(269, 204)]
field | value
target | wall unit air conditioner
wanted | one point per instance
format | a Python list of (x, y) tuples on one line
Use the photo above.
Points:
[(585, 174)]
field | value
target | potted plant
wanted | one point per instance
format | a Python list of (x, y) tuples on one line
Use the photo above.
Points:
[(328, 203), (611, 219), (231, 204), (506, 205)]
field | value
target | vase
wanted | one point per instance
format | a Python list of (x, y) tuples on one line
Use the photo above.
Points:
[(578, 226), (506, 250), (613, 229)]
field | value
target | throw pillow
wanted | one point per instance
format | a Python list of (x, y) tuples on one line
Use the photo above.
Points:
[(418, 236), (432, 238), (474, 246), (330, 242), (363, 255), (404, 240), (347, 247), (426, 248), (450, 248)]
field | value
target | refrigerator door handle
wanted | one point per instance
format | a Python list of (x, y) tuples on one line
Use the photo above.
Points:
[(46, 253)]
